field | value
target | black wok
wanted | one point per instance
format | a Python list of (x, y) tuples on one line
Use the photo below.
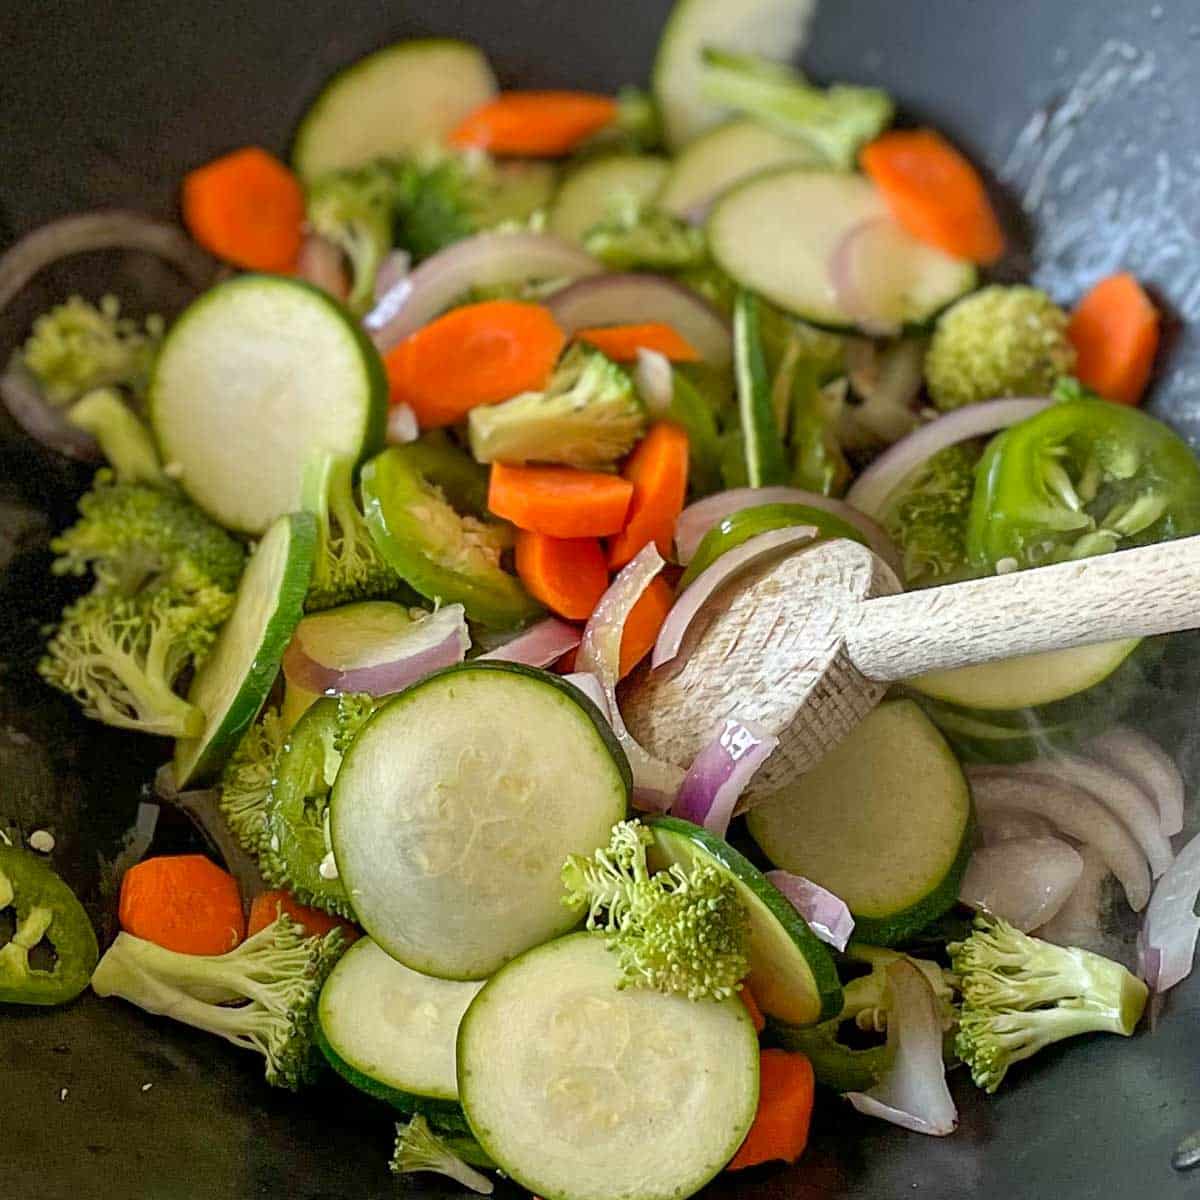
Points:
[(1083, 113)]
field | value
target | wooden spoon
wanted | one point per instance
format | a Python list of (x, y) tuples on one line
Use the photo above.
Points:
[(807, 645)]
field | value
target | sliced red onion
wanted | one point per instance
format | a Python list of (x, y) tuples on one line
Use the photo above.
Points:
[(1171, 927), (590, 686), (540, 644), (1024, 881), (887, 383), (319, 659), (1078, 922), (320, 263), (720, 772), (913, 1094), (44, 422), (634, 298), (485, 260), (402, 426), (106, 229), (137, 841), (655, 380), (826, 914), (1124, 799), (697, 519), (600, 655), (1005, 826), (871, 490), (1072, 811), (395, 267), (728, 567), (1143, 761)]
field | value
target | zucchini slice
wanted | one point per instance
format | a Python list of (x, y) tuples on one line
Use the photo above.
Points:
[(586, 195), (458, 804), (883, 821), (581, 1090)]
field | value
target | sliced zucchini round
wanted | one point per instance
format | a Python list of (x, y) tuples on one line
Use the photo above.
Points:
[(255, 377), (391, 1032), (458, 804), (883, 821), (777, 232), (582, 1090), (401, 98), (233, 683), (585, 197), (792, 973)]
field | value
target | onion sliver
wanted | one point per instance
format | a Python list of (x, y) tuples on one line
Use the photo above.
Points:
[(887, 382), (1003, 826), (1078, 922), (590, 686), (826, 914), (1171, 927), (395, 267), (320, 263), (727, 568), (1142, 760), (402, 426), (539, 645), (913, 1094), (1072, 811), (697, 519), (871, 490), (720, 772), (636, 298), (1024, 881), (655, 380), (485, 260), (43, 421)]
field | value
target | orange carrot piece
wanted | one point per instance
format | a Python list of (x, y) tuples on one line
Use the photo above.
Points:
[(477, 354), (1115, 334), (568, 575), (622, 342), (559, 501), (785, 1104), (645, 620), (182, 902), (535, 124), (246, 208), (658, 470), (747, 998), (935, 193), (267, 906)]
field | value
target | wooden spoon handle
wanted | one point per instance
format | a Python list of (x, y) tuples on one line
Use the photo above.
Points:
[(1132, 593)]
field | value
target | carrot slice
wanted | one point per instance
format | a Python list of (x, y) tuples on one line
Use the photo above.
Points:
[(785, 1103), (756, 1016), (535, 124), (935, 193), (658, 470), (1115, 334), (559, 501), (477, 354), (246, 208), (643, 623), (622, 342), (182, 902), (568, 575), (266, 907)]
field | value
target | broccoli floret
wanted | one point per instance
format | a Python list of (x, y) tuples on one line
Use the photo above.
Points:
[(637, 237), (79, 346), (636, 129), (1001, 341), (122, 436), (276, 974), (927, 515), (353, 711), (348, 565), (835, 121), (589, 416), (680, 930), (418, 1148), (121, 656), (1021, 994), (134, 537), (246, 780)]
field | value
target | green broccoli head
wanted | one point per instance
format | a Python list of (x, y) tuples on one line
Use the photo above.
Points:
[(78, 346), (247, 778), (418, 1148), (635, 237), (276, 977), (680, 930), (589, 416), (1001, 341), (1021, 994), (134, 537)]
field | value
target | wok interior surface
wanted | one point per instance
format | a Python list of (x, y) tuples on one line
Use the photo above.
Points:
[(1084, 115)]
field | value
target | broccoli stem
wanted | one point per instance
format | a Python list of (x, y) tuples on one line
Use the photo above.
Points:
[(124, 440)]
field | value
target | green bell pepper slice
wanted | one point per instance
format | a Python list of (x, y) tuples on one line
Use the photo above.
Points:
[(1082, 477), (741, 526), (462, 480), (45, 908)]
